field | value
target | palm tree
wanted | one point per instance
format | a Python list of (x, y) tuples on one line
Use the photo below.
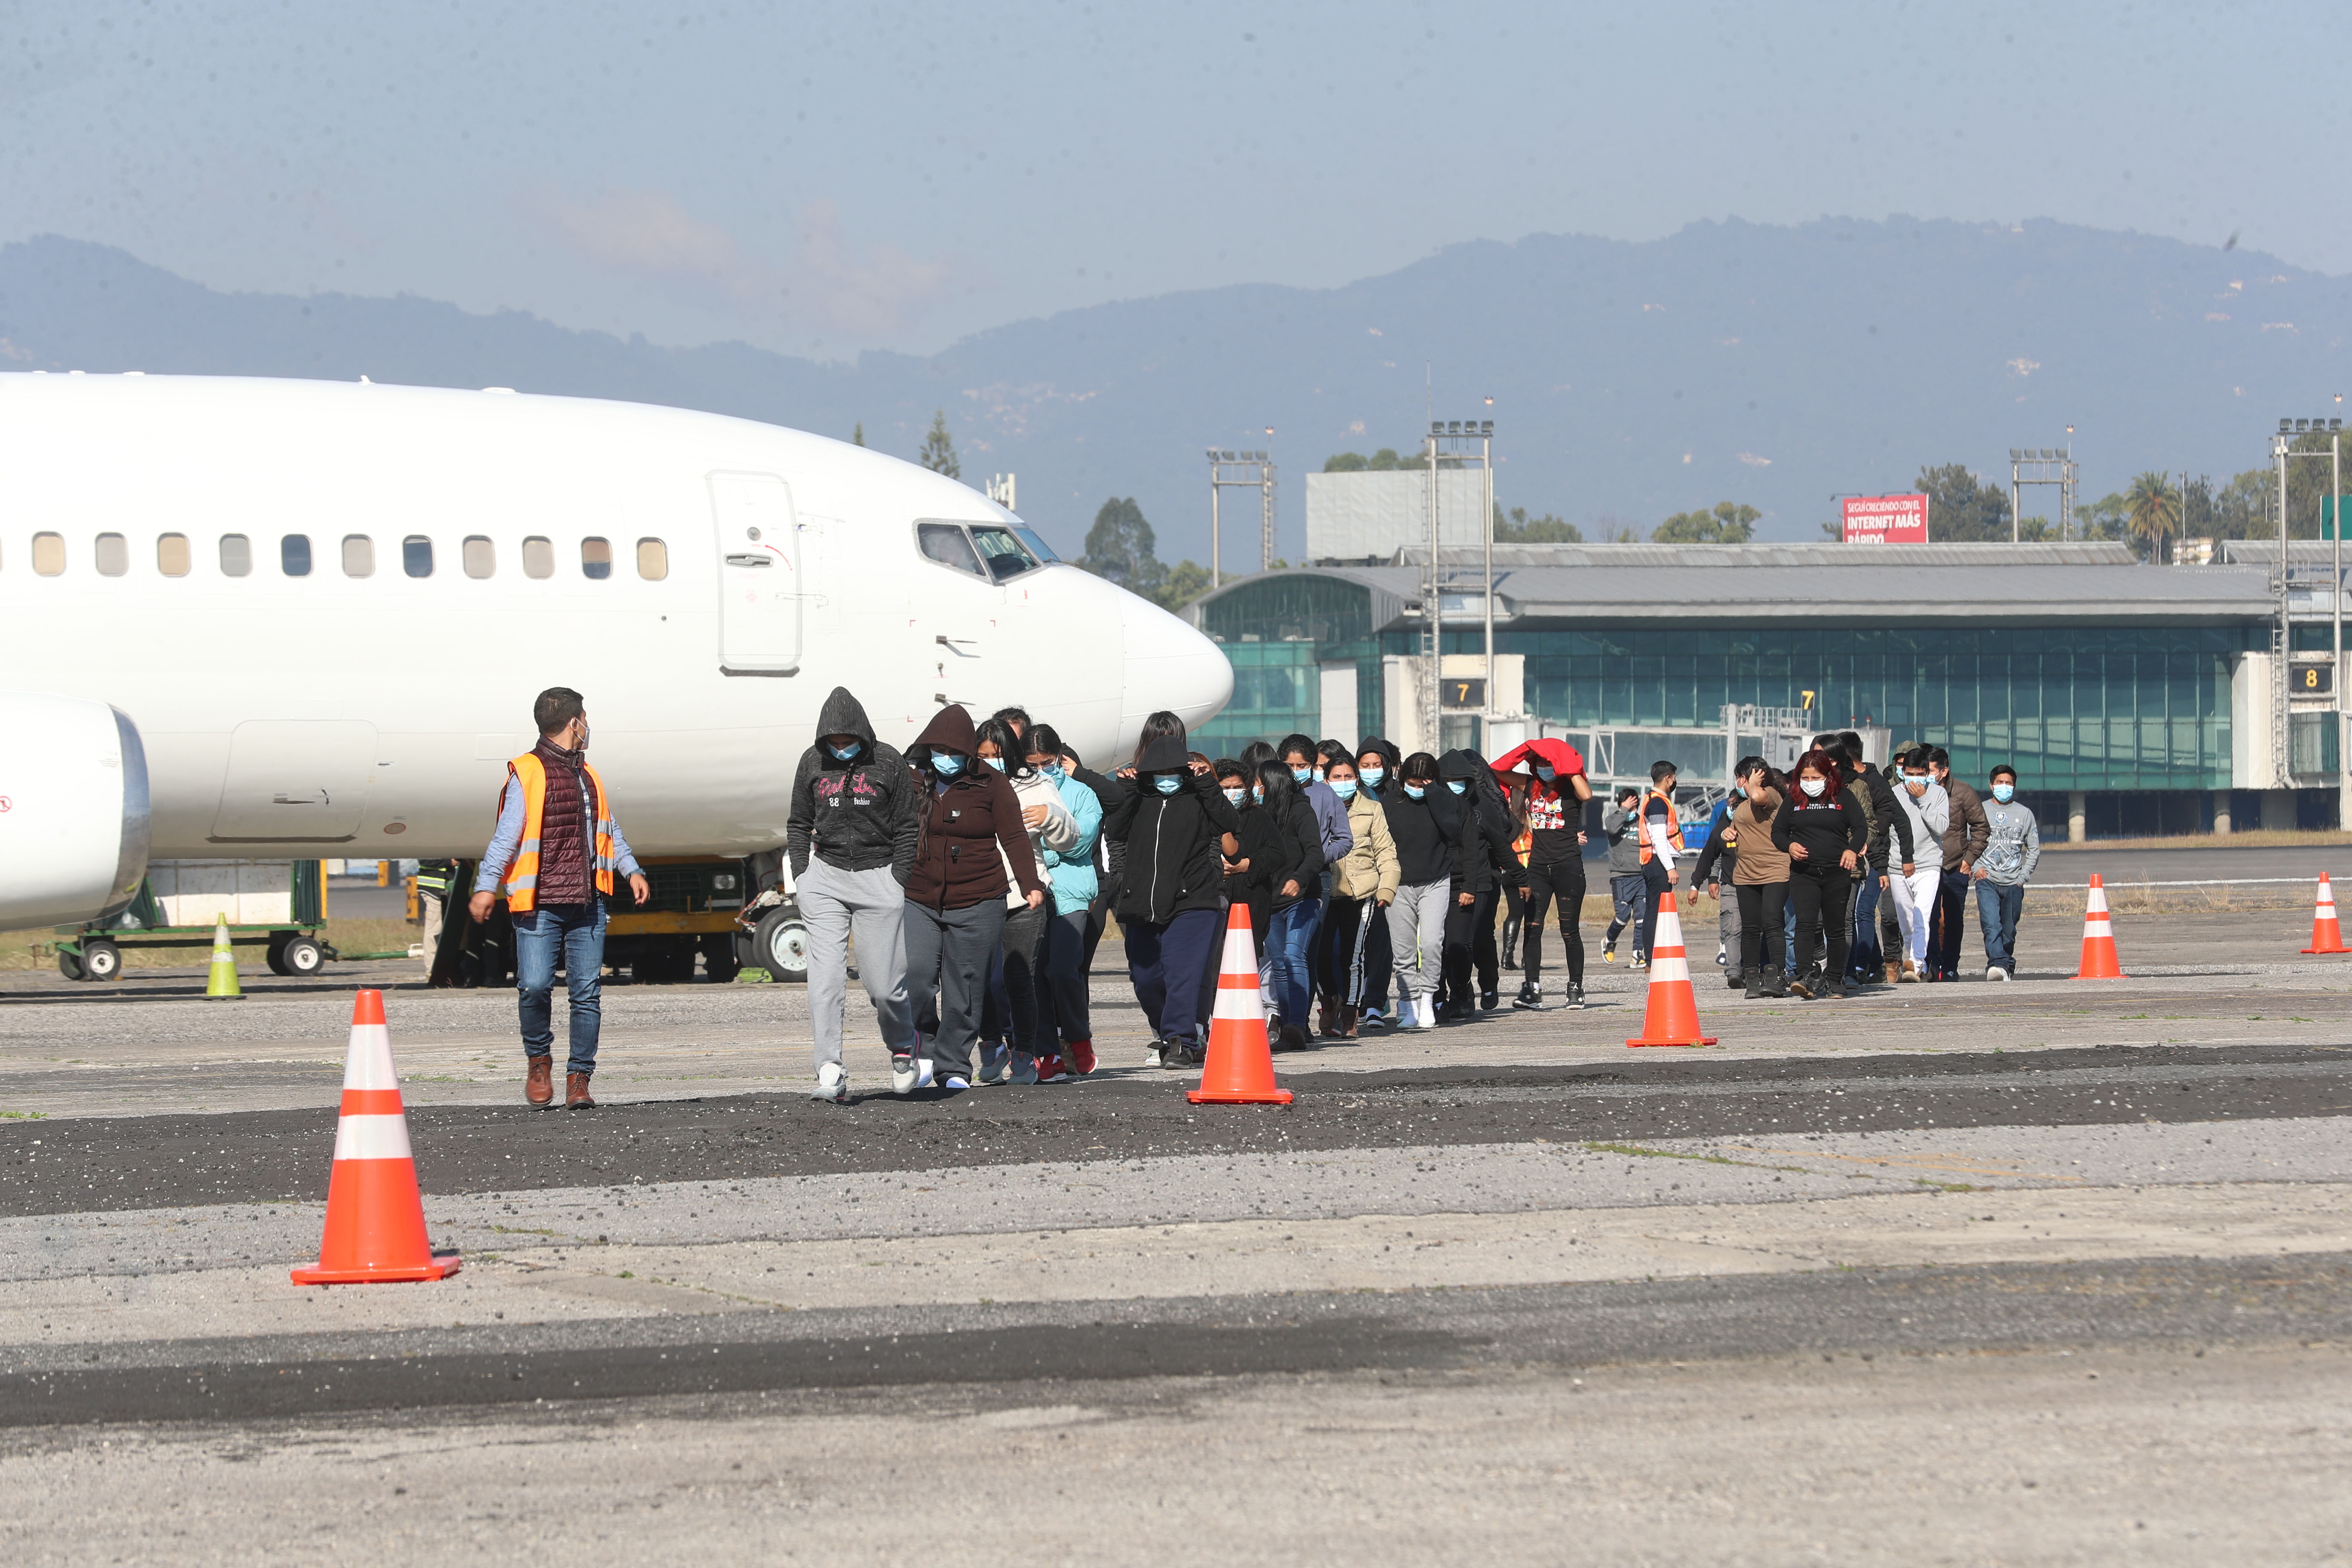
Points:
[(2152, 511)]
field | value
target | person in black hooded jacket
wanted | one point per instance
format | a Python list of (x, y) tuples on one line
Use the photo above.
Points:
[(850, 835), (1486, 860), (1171, 889)]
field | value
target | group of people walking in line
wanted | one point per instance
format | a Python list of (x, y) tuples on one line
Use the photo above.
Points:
[(977, 872)]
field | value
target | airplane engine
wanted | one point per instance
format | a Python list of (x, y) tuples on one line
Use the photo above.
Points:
[(73, 809)]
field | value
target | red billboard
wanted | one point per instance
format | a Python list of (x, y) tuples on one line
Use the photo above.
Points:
[(1886, 520)]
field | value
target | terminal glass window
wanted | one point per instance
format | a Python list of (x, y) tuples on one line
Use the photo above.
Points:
[(49, 554), (235, 555), (171, 555), (596, 559), (112, 555), (481, 557), (359, 556), (294, 555), (416, 555), (946, 543), (653, 559), (538, 557)]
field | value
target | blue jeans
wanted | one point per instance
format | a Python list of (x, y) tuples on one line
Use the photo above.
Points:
[(1290, 946), (1863, 956), (1997, 905), (577, 932)]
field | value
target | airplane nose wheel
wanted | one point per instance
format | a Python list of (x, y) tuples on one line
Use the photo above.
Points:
[(783, 944)]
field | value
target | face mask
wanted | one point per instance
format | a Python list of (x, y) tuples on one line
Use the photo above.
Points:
[(843, 753), (582, 745), (2004, 793), (1303, 776), (947, 764), (1167, 783), (1344, 788), (1916, 783), (1414, 792), (1547, 774), (1233, 797), (1257, 794), (1813, 787), (1051, 770), (996, 762), (1457, 785), (1740, 791), (1372, 776)]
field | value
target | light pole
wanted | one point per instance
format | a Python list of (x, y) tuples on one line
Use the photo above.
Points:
[(2331, 512), (1248, 470), (1457, 441), (2047, 466)]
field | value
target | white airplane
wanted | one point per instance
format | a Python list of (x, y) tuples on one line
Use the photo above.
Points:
[(319, 611)]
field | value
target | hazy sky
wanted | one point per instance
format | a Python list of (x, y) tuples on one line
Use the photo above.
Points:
[(822, 179)]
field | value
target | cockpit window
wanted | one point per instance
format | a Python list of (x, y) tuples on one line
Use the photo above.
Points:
[(1005, 553), (1037, 547), (945, 542)]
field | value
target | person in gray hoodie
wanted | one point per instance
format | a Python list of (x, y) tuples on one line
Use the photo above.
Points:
[(2012, 848)]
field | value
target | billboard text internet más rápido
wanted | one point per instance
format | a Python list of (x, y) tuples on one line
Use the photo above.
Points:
[(1886, 520)]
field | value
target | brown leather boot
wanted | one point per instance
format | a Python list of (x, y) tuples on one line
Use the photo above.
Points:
[(575, 1092), (1893, 974), (1344, 1027), (539, 1085)]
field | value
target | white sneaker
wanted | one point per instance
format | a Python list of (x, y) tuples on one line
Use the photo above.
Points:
[(1152, 1055), (956, 1083), (910, 1073), (1425, 1010), (1995, 971), (832, 1084)]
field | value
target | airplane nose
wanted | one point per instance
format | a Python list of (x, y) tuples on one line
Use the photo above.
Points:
[(1170, 666)]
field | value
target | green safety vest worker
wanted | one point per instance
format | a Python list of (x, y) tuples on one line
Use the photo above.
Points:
[(437, 877)]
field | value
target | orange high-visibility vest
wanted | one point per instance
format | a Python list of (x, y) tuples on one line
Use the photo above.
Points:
[(1674, 826), (520, 886)]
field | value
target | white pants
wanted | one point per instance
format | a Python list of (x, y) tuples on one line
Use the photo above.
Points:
[(1915, 904)]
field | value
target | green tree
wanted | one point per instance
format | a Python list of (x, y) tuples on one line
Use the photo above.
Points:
[(939, 453), (857, 435), (1119, 549), (1962, 508), (2152, 511), (1384, 461), (1521, 529), (1186, 581), (2242, 509), (2104, 517), (1731, 522)]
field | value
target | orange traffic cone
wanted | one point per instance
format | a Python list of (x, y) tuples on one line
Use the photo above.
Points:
[(1239, 1069), (2325, 935), (2099, 960), (1673, 1017), (375, 1220)]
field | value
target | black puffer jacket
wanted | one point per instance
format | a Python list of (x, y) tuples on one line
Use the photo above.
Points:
[(1172, 852), (857, 815)]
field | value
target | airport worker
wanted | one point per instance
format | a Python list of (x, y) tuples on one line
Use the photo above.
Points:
[(2012, 848), (435, 881), (553, 858), (1556, 792), (1620, 825), (972, 850), (1925, 811), (1430, 830), (1295, 879), (1824, 832), (1662, 844), (1364, 884), (1172, 893), (1015, 1010), (1075, 876), (850, 837), (1964, 845), (1760, 879)]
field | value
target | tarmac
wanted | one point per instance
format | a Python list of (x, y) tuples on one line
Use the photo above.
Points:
[(2051, 1271)]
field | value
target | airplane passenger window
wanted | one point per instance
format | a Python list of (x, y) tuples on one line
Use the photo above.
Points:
[(538, 558), (416, 555), (1002, 551), (481, 557), (653, 559), (49, 554), (294, 555), (235, 555), (945, 542), (596, 559), (171, 555), (359, 556), (112, 555)]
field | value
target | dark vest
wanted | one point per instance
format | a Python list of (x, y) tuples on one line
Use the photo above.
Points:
[(564, 855)]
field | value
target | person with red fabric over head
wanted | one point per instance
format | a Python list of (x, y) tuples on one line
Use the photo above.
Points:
[(1557, 790)]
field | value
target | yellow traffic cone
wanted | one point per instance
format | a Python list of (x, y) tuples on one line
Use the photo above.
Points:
[(221, 982)]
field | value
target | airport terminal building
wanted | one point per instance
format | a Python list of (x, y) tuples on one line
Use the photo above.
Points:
[(2131, 698)]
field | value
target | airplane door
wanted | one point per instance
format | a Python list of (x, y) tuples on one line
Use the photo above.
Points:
[(759, 575), (293, 781)]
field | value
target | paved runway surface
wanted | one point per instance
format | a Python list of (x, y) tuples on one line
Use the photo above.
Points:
[(2048, 1272)]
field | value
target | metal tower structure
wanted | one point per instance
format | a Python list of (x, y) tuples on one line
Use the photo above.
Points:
[(1456, 444), (1239, 470), (2043, 465)]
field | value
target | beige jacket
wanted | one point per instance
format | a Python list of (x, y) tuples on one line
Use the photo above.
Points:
[(1369, 869)]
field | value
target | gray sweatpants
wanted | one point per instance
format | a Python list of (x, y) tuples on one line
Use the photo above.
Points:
[(835, 903), (947, 953), (1417, 936)]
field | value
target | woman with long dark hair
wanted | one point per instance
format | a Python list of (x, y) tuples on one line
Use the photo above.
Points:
[(1009, 1032), (1295, 880), (1362, 884), (1824, 831), (1760, 877)]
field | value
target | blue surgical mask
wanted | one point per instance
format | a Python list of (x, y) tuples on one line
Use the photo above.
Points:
[(996, 762), (947, 763), (1233, 796), (1546, 774), (1344, 788), (2004, 793), (1457, 785), (1053, 770), (1167, 783), (1414, 792), (1373, 777), (845, 753), (1304, 775)]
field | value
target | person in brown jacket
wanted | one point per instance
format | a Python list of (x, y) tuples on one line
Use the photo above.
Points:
[(1964, 846), (971, 830), (1759, 879)]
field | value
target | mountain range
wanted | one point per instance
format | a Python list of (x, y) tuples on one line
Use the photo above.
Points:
[(1769, 366)]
